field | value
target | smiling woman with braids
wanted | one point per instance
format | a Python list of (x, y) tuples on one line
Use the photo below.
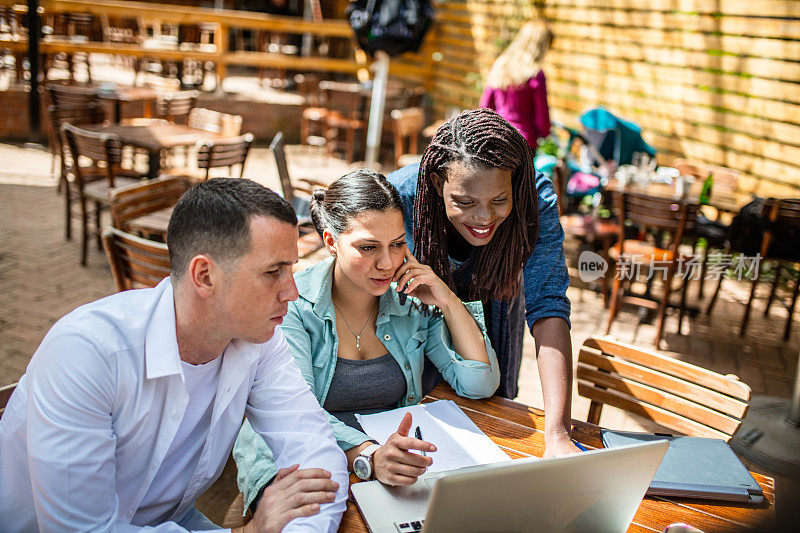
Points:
[(486, 225)]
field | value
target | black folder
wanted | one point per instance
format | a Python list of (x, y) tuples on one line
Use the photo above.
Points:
[(695, 467)]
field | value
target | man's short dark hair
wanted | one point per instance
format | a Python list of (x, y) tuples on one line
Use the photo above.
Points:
[(213, 218)]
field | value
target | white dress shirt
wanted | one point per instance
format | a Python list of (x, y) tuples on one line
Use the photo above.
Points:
[(92, 419)]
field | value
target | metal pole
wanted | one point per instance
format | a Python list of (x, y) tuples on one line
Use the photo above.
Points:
[(794, 408), (376, 108), (34, 105)]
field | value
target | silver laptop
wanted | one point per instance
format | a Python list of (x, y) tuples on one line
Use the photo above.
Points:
[(598, 491)]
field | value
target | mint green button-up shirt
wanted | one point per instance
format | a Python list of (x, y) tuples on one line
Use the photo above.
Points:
[(408, 335)]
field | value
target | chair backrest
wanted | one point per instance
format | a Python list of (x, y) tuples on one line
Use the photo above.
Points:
[(77, 115), (308, 87), (781, 220), (146, 197), (277, 148), (662, 214), (214, 121), (174, 105), (68, 95), (407, 125), (344, 98), (672, 393), (135, 262), (102, 148), (215, 154), (5, 395)]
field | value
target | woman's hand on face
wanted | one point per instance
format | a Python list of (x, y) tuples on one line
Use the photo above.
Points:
[(422, 283), (393, 462)]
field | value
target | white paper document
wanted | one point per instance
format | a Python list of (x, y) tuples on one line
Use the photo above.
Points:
[(459, 442)]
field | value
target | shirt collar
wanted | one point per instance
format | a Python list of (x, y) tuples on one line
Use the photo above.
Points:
[(161, 355)]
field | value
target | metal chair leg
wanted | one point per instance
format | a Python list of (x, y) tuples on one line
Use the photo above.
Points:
[(788, 330), (773, 289), (747, 308)]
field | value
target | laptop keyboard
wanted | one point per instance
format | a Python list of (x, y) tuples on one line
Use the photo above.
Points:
[(410, 526)]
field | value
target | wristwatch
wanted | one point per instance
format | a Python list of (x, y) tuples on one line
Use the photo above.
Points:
[(362, 464)]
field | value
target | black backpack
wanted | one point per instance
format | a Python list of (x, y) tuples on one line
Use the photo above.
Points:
[(747, 233), (394, 26)]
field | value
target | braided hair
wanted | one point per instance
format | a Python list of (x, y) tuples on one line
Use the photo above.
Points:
[(479, 137)]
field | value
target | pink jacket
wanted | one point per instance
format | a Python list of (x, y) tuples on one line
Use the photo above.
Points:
[(524, 106)]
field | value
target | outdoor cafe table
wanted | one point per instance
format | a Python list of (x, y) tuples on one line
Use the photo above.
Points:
[(519, 430), (119, 94), (722, 201), (157, 136)]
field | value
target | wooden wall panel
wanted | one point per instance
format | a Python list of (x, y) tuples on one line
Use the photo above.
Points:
[(713, 80)]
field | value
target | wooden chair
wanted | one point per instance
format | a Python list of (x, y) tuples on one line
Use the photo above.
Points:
[(5, 395), (70, 95), (778, 216), (314, 115), (289, 187), (71, 98), (176, 105), (309, 241), (135, 262), (153, 198), (664, 217), (345, 118), (214, 121), (217, 154), (102, 151), (407, 125), (675, 394), (76, 115)]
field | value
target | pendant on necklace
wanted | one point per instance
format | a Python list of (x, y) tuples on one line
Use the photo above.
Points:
[(358, 343)]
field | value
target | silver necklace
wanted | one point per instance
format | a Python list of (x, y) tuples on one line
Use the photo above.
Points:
[(358, 337)]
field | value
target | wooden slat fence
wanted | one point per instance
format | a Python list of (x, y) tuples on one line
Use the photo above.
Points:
[(710, 80)]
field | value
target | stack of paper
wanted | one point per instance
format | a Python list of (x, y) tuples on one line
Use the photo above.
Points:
[(459, 443)]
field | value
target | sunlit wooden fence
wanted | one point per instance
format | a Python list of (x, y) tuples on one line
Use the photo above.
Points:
[(713, 80)]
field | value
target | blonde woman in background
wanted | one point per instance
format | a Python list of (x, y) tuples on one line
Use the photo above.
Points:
[(515, 87)]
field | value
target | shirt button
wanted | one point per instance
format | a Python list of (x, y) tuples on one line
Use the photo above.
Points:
[(175, 416), (387, 337), (410, 398), (408, 366), (383, 314)]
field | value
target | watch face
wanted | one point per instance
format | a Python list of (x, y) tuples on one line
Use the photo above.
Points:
[(361, 467)]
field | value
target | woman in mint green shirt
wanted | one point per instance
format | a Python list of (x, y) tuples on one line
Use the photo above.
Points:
[(361, 344)]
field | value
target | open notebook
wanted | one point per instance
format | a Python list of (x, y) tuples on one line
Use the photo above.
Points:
[(458, 440)]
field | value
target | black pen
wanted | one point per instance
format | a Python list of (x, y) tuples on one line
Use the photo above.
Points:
[(418, 435)]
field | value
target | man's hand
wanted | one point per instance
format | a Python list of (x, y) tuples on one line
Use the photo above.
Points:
[(294, 493), (394, 464)]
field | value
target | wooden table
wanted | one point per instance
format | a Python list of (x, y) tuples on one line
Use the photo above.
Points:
[(519, 430), (720, 200), (119, 94), (156, 137)]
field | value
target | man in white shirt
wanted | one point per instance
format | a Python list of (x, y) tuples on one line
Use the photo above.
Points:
[(129, 408)]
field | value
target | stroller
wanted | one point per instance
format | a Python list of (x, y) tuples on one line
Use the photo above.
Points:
[(605, 142)]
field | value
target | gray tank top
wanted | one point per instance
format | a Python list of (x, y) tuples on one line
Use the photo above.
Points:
[(364, 387)]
